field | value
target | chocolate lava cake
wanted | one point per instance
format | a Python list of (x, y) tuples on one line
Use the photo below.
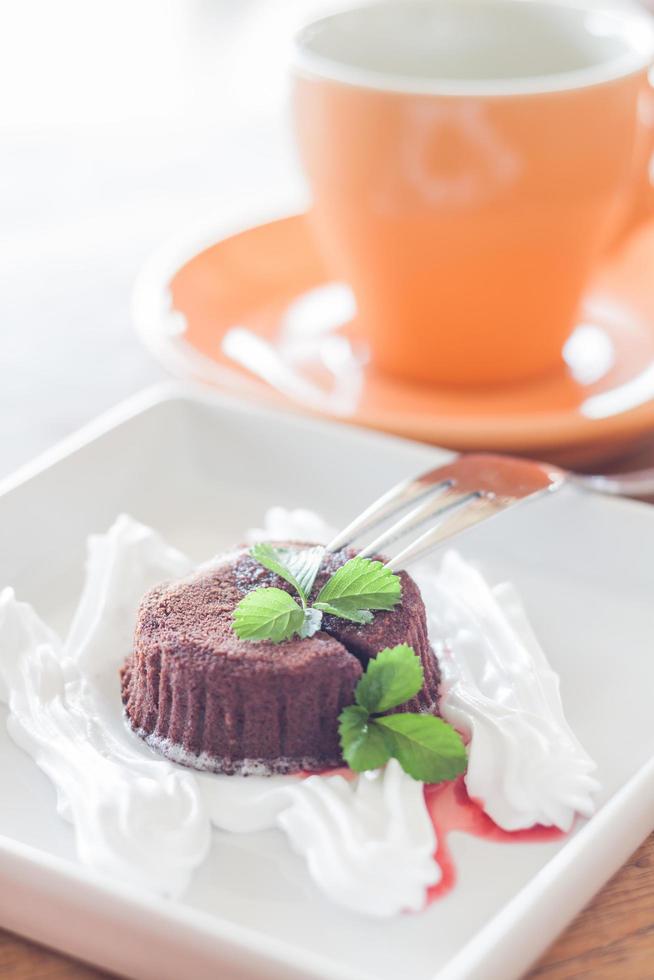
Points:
[(204, 698)]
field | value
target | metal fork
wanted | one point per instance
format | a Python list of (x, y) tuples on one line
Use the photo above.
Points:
[(454, 497)]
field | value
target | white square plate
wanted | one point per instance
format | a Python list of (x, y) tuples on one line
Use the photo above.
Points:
[(201, 469)]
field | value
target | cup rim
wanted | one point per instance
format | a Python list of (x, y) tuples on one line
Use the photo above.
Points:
[(638, 59)]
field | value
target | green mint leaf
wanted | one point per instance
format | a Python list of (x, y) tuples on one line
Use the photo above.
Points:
[(394, 676), (297, 567), (268, 614), (312, 622), (426, 747), (343, 612), (362, 583), (363, 743), (304, 565)]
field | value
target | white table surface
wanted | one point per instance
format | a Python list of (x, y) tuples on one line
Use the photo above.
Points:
[(120, 124)]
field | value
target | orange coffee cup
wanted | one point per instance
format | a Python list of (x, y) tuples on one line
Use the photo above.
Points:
[(470, 161)]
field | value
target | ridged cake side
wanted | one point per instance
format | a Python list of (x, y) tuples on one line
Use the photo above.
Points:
[(222, 718)]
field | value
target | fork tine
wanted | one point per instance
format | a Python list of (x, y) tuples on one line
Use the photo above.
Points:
[(461, 493), (393, 501), (477, 507), (436, 505)]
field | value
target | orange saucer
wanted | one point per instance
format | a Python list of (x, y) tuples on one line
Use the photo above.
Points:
[(262, 298)]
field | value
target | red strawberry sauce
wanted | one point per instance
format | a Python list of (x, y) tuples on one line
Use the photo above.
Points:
[(450, 809)]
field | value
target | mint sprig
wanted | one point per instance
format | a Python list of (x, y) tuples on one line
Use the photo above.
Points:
[(361, 584), (298, 568), (353, 592), (363, 743), (268, 614), (353, 615), (393, 677), (427, 748)]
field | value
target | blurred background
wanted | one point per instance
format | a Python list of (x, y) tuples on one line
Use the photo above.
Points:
[(120, 123)]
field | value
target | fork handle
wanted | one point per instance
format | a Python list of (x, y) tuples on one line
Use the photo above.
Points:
[(640, 483)]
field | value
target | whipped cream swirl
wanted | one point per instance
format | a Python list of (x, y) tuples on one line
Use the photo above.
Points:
[(368, 841), (525, 765), (127, 809)]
